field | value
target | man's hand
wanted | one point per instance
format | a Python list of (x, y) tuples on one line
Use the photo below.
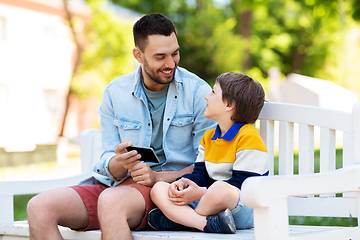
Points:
[(126, 159), (180, 195), (142, 174)]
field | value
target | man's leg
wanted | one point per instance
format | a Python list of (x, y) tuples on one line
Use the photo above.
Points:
[(56, 207), (120, 209)]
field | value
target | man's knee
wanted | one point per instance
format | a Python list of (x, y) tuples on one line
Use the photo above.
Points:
[(122, 198), (126, 202), (38, 206)]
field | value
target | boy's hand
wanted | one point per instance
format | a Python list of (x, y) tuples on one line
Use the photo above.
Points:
[(175, 187), (186, 195)]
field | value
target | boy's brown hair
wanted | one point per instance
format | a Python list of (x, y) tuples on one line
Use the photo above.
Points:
[(245, 93)]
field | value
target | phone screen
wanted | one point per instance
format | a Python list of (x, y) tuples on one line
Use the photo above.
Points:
[(147, 154)]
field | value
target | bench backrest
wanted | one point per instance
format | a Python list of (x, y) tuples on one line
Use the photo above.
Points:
[(290, 130), (296, 130)]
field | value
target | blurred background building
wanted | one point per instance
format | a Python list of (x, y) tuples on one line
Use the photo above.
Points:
[(39, 52)]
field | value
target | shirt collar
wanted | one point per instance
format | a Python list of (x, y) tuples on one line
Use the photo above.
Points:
[(230, 134)]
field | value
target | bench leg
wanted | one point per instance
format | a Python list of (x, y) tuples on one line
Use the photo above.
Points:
[(6, 209), (272, 223)]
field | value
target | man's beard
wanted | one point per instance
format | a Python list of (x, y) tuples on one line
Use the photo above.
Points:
[(157, 79)]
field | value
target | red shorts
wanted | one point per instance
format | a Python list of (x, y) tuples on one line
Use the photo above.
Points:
[(90, 195)]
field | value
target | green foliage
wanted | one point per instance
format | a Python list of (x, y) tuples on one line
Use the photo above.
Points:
[(301, 36), (356, 10), (107, 53)]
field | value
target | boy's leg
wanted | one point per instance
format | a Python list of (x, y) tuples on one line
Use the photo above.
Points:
[(243, 216), (222, 222), (219, 196), (56, 207), (183, 215)]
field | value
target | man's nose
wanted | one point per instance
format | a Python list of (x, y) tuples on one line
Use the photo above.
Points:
[(169, 63)]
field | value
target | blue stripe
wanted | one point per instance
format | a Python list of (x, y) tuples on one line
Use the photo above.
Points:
[(199, 175), (240, 176)]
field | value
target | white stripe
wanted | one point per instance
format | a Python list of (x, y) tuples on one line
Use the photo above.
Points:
[(219, 171), (251, 161), (201, 154)]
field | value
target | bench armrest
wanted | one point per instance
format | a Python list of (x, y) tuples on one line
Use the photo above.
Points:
[(257, 192)]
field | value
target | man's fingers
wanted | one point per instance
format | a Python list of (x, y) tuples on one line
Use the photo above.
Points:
[(121, 148)]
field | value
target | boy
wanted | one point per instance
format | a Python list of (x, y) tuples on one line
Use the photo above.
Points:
[(209, 199)]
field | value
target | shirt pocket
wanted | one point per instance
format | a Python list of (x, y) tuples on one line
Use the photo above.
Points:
[(128, 129), (180, 132)]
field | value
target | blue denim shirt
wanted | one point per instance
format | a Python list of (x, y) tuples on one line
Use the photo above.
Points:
[(125, 115)]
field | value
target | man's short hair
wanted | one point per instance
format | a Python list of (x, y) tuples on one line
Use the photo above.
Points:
[(154, 23), (245, 93)]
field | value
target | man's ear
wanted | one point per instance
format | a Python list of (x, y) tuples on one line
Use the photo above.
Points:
[(138, 54)]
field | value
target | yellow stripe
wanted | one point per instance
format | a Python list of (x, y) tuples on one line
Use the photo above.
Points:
[(222, 151)]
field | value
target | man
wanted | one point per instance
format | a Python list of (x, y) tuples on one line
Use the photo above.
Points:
[(159, 105)]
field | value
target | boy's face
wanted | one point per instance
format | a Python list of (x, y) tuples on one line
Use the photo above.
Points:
[(216, 107)]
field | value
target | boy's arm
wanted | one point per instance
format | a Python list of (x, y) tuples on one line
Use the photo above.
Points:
[(199, 175), (240, 176)]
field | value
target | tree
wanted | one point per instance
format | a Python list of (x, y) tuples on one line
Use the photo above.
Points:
[(107, 53)]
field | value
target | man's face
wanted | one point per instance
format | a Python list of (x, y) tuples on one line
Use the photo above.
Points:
[(159, 60)]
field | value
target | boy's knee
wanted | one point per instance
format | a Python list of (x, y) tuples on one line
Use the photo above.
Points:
[(158, 189), (221, 190)]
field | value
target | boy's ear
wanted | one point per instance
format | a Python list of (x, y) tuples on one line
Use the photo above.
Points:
[(138, 54), (229, 107)]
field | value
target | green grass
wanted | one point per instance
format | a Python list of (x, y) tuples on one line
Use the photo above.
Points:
[(20, 201)]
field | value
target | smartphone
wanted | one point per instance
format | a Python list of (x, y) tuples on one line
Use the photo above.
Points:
[(147, 154)]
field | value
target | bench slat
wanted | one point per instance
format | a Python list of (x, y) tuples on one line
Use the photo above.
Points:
[(306, 149)]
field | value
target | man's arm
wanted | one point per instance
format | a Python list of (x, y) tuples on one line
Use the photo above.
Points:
[(170, 176), (142, 174)]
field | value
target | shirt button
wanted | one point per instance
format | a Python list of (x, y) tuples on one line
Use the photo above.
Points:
[(168, 119), (175, 97), (148, 124)]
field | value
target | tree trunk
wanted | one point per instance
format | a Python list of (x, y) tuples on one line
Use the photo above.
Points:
[(297, 61), (243, 16), (76, 64)]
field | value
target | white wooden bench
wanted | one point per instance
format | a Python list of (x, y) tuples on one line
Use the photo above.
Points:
[(274, 198)]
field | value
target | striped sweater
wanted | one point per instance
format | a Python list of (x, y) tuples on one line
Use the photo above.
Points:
[(239, 154)]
